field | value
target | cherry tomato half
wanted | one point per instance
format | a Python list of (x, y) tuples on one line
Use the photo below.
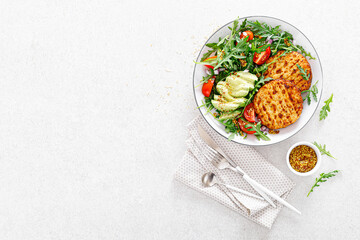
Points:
[(207, 87), (260, 58), (242, 126), (247, 33), (210, 60), (249, 113)]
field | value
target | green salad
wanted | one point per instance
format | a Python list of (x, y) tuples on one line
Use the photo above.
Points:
[(235, 67)]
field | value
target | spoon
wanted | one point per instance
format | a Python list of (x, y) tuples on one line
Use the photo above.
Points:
[(209, 180)]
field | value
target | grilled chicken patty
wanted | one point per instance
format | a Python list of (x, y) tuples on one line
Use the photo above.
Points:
[(285, 68), (278, 104)]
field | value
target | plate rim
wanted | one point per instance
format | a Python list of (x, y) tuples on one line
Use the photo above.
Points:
[(317, 103)]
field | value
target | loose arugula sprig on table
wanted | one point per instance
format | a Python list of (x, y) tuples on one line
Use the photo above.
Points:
[(323, 150), (313, 91), (326, 108), (323, 178)]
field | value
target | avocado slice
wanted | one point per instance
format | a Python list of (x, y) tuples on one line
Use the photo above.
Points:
[(222, 105), (229, 115), (223, 89), (247, 76)]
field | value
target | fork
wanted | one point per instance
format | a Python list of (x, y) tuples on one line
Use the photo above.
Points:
[(219, 161)]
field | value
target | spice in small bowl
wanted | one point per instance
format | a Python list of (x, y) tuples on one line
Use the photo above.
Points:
[(303, 158)]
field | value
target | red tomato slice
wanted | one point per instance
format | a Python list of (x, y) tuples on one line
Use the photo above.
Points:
[(211, 60), (242, 126), (247, 33), (207, 87), (249, 113), (260, 58)]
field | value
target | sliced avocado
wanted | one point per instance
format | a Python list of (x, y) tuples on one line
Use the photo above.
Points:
[(239, 83), (229, 115), (222, 105), (238, 87), (224, 91), (249, 77), (232, 92), (239, 90), (240, 93), (216, 97), (225, 106), (240, 101)]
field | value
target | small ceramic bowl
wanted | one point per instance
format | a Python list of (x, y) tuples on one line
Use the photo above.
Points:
[(318, 155)]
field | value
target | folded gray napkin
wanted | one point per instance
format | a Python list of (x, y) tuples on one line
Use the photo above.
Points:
[(194, 165)]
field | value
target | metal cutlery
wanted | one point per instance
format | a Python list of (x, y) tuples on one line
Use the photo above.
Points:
[(226, 162), (220, 160), (209, 179), (221, 163)]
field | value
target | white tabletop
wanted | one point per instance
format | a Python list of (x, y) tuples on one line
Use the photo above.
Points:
[(94, 100)]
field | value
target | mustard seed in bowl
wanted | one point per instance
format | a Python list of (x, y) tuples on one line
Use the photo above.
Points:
[(303, 158)]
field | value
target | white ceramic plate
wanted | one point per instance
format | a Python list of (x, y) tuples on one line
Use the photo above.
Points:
[(308, 111)]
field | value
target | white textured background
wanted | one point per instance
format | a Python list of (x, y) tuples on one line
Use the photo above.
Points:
[(94, 99)]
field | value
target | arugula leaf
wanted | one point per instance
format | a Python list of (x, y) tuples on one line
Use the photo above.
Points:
[(264, 30), (206, 55), (326, 108), (230, 54), (257, 128), (313, 91), (243, 25), (302, 50), (235, 25), (214, 47), (230, 127), (250, 62), (207, 105), (259, 49), (222, 76), (303, 73), (323, 178), (323, 149), (232, 136), (261, 82), (206, 78)]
